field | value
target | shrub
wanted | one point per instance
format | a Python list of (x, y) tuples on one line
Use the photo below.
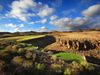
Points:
[(14, 48), (4, 53), (40, 66), (73, 69), (87, 66), (28, 54), (56, 67), (31, 48), (18, 60), (8, 48), (22, 45), (21, 50), (27, 64)]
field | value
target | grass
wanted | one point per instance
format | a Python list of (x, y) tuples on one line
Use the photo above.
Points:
[(90, 35), (69, 56), (22, 38)]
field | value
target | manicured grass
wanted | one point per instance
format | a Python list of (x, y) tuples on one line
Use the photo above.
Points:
[(22, 38), (69, 56)]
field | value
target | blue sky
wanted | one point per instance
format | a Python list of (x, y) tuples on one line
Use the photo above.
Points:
[(49, 15)]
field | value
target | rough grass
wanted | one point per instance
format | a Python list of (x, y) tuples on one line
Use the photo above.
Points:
[(69, 56), (89, 35)]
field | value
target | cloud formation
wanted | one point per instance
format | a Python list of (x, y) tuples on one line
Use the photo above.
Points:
[(60, 22), (43, 21), (53, 17), (31, 12), (91, 19), (45, 11), (69, 23), (92, 11), (20, 9), (43, 29), (14, 27)]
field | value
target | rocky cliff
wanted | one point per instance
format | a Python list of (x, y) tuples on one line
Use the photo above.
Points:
[(75, 41)]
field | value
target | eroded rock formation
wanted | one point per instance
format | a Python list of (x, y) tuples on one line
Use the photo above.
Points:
[(65, 42)]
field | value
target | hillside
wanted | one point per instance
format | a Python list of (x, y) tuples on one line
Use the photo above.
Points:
[(53, 53)]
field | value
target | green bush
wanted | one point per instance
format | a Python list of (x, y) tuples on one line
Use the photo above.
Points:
[(21, 50), (22, 45), (40, 66), (31, 48)]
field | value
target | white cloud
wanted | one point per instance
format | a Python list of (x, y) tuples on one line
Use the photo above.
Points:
[(80, 21), (32, 23), (21, 25), (69, 23), (14, 27), (60, 22), (43, 29), (45, 11), (19, 9), (92, 11), (53, 17), (17, 29), (43, 21), (11, 25)]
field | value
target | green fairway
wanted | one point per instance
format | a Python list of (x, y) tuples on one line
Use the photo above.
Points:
[(22, 38), (69, 56)]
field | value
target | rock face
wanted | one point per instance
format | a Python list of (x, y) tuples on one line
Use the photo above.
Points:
[(74, 45), (65, 42)]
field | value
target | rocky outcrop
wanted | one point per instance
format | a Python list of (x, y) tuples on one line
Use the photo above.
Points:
[(78, 44), (65, 43)]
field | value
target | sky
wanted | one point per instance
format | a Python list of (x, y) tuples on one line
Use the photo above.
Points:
[(48, 15)]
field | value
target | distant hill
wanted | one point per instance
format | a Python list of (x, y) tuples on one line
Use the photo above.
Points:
[(9, 34), (1, 33)]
